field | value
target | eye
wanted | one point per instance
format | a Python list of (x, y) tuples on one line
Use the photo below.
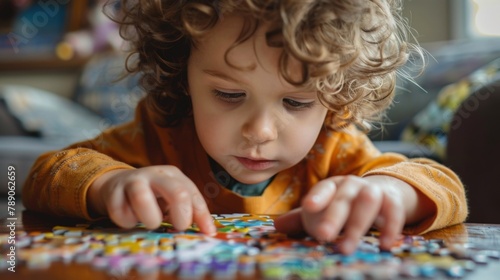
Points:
[(296, 105), (229, 97)]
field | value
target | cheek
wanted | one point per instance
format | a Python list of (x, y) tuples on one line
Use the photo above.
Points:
[(213, 132), (304, 139), (304, 134)]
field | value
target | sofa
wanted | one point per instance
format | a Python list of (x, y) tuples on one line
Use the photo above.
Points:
[(473, 151), (34, 121)]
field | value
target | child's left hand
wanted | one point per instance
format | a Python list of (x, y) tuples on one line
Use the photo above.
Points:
[(355, 204)]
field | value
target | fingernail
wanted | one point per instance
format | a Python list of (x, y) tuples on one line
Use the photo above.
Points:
[(316, 198), (348, 246), (324, 192), (386, 242), (212, 230)]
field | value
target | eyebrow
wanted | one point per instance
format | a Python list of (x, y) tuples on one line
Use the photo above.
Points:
[(221, 75), (226, 77)]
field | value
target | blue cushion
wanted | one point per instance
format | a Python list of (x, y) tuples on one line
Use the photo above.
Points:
[(49, 115)]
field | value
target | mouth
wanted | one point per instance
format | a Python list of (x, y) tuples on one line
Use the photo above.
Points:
[(256, 164)]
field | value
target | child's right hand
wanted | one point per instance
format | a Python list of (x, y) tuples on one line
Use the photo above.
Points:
[(146, 195)]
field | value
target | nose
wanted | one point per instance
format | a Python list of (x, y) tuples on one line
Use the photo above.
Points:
[(261, 128)]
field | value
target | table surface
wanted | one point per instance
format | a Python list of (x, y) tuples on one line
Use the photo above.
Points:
[(485, 236)]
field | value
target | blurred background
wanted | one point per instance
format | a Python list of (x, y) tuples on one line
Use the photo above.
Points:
[(60, 62)]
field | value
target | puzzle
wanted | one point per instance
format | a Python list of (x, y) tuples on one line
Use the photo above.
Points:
[(245, 246)]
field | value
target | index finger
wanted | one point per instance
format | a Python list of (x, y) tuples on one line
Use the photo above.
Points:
[(186, 205), (201, 214)]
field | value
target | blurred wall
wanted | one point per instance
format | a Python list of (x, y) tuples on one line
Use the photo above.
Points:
[(430, 19)]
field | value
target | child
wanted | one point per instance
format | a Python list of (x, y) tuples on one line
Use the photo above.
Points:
[(252, 107)]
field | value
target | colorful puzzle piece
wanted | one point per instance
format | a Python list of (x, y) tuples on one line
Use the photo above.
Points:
[(244, 244)]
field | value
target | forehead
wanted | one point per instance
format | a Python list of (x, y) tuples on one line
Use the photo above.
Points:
[(229, 24), (218, 48)]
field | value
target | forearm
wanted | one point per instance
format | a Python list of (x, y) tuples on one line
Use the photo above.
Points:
[(58, 181)]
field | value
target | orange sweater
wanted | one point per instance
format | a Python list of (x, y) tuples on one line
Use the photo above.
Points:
[(59, 180)]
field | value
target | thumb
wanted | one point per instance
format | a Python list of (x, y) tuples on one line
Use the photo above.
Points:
[(290, 223)]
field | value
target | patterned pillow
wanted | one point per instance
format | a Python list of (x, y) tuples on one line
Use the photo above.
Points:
[(431, 125)]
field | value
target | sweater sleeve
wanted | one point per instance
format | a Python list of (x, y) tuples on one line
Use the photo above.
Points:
[(58, 181), (353, 153)]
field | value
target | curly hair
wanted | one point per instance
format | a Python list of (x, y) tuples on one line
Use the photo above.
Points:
[(350, 51)]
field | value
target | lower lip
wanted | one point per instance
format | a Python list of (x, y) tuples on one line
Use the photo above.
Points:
[(256, 165)]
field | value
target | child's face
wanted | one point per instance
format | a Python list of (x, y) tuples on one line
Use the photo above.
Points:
[(249, 119)]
